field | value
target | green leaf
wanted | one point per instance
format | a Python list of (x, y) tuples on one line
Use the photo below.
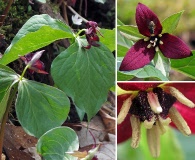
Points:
[(171, 22), (33, 25), (123, 44), (3, 102), (147, 71), (108, 38), (119, 22), (85, 75), (56, 142), (33, 41), (130, 30), (40, 107), (185, 65), (162, 63), (121, 51), (7, 78), (169, 144)]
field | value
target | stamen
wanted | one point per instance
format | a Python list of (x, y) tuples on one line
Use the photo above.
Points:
[(161, 42), (154, 103), (156, 40), (152, 35), (179, 121), (162, 123), (160, 35), (146, 39), (180, 97), (156, 49), (149, 46), (124, 110), (135, 124), (149, 124), (153, 137)]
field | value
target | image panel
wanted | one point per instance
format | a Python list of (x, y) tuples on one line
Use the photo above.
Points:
[(155, 120), (155, 40)]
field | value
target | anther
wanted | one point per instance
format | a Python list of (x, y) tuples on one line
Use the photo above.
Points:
[(149, 46), (161, 42), (136, 127), (180, 97), (179, 121), (124, 110), (146, 39), (149, 124), (160, 35), (153, 137)]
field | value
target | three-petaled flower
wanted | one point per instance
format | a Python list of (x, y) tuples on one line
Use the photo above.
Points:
[(143, 51), (91, 34), (155, 105), (34, 64)]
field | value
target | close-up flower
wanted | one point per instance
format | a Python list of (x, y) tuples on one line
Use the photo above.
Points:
[(155, 106), (91, 34), (34, 64), (143, 51)]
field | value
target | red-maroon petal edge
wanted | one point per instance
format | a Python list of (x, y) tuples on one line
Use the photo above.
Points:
[(133, 86), (138, 56)]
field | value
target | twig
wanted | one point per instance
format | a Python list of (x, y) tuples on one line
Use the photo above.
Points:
[(2, 19), (80, 6), (65, 13)]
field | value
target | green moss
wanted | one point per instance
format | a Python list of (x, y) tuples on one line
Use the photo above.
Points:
[(19, 13)]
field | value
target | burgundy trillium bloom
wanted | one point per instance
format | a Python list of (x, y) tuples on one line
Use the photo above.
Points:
[(35, 65), (155, 105), (91, 34), (143, 51)]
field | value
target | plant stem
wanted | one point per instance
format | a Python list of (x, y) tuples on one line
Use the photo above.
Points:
[(2, 19), (73, 11), (65, 13), (5, 116), (79, 32), (24, 71)]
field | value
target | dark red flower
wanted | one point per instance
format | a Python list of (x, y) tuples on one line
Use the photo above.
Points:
[(91, 34), (33, 62), (143, 51), (155, 105)]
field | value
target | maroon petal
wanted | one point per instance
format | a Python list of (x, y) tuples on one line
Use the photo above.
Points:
[(133, 86), (138, 56), (144, 16), (173, 47), (38, 67)]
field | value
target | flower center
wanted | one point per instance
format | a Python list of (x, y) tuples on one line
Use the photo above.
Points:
[(148, 105), (154, 40)]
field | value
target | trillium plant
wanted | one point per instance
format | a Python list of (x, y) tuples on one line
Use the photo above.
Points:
[(154, 46), (83, 72), (155, 106)]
